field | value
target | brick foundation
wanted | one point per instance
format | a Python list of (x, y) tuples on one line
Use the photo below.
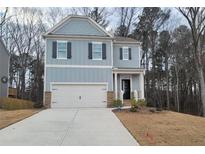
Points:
[(47, 99), (110, 98)]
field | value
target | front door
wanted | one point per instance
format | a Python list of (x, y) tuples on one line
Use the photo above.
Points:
[(126, 88)]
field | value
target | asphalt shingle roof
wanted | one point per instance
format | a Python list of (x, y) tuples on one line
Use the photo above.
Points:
[(126, 39)]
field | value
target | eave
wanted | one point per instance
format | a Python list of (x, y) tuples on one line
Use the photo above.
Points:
[(61, 36), (126, 42)]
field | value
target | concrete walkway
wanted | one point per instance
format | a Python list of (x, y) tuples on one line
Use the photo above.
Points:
[(68, 127)]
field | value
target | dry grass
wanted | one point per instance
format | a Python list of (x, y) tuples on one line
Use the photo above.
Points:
[(164, 128), (9, 117), (15, 104)]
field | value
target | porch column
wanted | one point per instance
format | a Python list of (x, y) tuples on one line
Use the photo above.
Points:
[(115, 85), (142, 85)]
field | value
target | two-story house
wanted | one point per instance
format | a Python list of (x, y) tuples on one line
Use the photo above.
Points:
[(85, 66)]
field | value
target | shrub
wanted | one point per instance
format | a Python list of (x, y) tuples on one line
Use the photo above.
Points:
[(38, 105), (142, 102), (117, 103), (14, 104), (134, 105), (137, 104)]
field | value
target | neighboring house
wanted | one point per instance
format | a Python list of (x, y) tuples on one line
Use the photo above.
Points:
[(85, 66), (4, 70)]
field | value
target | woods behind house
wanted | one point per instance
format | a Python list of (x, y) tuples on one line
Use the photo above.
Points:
[(172, 50)]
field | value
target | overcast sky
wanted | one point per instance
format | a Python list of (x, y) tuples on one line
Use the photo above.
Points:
[(176, 18)]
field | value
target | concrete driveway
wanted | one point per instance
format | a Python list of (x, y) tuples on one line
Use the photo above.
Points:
[(93, 126)]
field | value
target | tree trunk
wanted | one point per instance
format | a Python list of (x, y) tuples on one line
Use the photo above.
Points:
[(23, 85), (177, 88), (199, 66), (167, 80), (202, 85), (146, 74)]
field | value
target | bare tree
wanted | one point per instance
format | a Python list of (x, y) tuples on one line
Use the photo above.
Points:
[(127, 17), (3, 20), (23, 31), (196, 20), (98, 14), (54, 14)]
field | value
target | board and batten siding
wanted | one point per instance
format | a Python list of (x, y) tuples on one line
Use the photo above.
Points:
[(135, 82), (135, 56), (79, 51), (4, 66), (76, 26), (78, 75)]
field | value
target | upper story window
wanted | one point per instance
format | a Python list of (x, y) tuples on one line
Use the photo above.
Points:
[(125, 54), (97, 51), (62, 50)]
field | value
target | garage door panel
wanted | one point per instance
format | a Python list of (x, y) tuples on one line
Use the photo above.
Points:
[(78, 96)]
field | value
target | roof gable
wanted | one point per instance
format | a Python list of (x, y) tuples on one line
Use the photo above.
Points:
[(78, 25)]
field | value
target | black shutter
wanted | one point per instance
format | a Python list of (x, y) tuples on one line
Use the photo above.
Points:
[(103, 51), (54, 55), (130, 54), (69, 50), (120, 53), (89, 50)]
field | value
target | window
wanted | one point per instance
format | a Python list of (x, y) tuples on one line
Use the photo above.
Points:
[(97, 51), (125, 53), (61, 50)]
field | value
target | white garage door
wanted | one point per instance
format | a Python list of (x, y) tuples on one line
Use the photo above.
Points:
[(72, 96)]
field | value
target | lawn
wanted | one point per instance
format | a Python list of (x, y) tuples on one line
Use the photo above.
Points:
[(164, 128), (8, 117)]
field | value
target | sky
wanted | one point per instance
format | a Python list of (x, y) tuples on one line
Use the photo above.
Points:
[(176, 18)]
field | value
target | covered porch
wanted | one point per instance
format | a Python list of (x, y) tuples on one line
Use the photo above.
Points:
[(129, 81)]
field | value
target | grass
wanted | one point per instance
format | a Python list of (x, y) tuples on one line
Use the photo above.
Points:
[(15, 104), (8, 117), (164, 128)]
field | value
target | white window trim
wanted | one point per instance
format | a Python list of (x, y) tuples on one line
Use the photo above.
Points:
[(57, 50), (123, 53), (101, 51)]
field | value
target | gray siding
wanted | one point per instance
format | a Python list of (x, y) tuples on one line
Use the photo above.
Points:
[(135, 82), (76, 26), (4, 60), (133, 63), (79, 53), (78, 75)]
